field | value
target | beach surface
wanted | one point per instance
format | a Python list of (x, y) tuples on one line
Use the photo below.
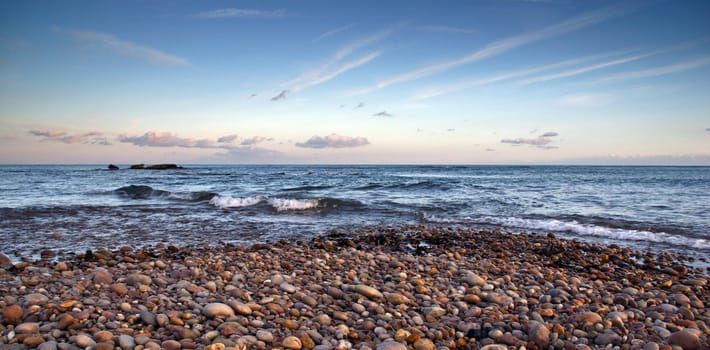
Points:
[(409, 287)]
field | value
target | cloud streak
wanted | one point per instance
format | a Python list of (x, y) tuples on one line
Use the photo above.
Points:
[(336, 65), (93, 138), (128, 49), (333, 141), (167, 139), (241, 13), (382, 114), (657, 71), (281, 95), (543, 141), (255, 140), (333, 32), (507, 44), (447, 29), (441, 90)]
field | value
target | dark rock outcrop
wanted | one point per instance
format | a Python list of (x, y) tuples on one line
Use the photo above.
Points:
[(113, 167), (138, 166), (163, 167)]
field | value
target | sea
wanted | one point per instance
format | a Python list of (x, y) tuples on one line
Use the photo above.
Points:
[(69, 209)]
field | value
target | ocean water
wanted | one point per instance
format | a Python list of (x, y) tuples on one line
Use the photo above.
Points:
[(648, 208)]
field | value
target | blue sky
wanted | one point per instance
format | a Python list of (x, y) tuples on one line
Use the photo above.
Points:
[(475, 82)]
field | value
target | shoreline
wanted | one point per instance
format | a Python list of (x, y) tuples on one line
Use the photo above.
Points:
[(379, 288)]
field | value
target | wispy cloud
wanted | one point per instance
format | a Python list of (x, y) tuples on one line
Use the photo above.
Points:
[(93, 138), (255, 140), (336, 65), (360, 105), (447, 29), (707, 129), (507, 44), (543, 141), (657, 71), (241, 13), (333, 32), (167, 139), (280, 96), (445, 89), (382, 114), (128, 49), (582, 70), (227, 139), (48, 133), (333, 141)]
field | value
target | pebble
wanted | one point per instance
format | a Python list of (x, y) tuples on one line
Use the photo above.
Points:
[(48, 345), (539, 334), (102, 276), (84, 341), (265, 336), (588, 317), (213, 310), (126, 342), (688, 339), (12, 314), (391, 345), (35, 299), (171, 345), (424, 344), (292, 342), (27, 328), (367, 291)]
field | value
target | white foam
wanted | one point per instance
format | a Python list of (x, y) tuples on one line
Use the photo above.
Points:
[(599, 231), (282, 204), (232, 202)]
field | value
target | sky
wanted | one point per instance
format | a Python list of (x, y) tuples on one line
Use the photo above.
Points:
[(358, 82)]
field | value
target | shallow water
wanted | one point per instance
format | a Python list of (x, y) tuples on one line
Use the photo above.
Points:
[(653, 208)]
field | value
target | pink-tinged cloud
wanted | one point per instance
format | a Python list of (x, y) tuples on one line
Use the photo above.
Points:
[(541, 141), (48, 133), (227, 139), (333, 141), (255, 140), (94, 137), (166, 139)]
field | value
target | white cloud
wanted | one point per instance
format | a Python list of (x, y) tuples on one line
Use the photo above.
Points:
[(333, 141), (93, 138), (663, 70), (333, 32), (241, 13), (166, 139), (447, 29), (543, 141), (441, 90), (128, 49), (585, 100), (255, 140), (507, 44)]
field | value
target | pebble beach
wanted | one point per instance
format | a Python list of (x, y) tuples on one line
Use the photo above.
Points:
[(384, 288)]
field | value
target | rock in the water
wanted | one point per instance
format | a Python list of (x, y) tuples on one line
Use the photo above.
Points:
[(27, 328), (138, 166), (292, 343), (12, 314), (688, 339), (5, 260), (113, 167), (539, 334), (367, 291), (391, 345), (217, 309), (163, 166)]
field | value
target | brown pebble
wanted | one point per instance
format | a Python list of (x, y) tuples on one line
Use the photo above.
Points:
[(292, 342), (12, 314), (171, 345)]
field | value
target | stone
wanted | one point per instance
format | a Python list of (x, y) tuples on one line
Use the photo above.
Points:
[(433, 311), (138, 166), (287, 287), (391, 345), (171, 345), (265, 336), (588, 317), (84, 341), (500, 299), (126, 342), (149, 318), (651, 346), (606, 338), (137, 279), (102, 276), (396, 298), (48, 345), (217, 310), (65, 321), (119, 288), (166, 166), (323, 319), (27, 328), (103, 336), (494, 347), (241, 308), (113, 167), (12, 314), (292, 342), (35, 299), (539, 334), (367, 291), (5, 261), (33, 341), (424, 344), (473, 279), (688, 339)]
